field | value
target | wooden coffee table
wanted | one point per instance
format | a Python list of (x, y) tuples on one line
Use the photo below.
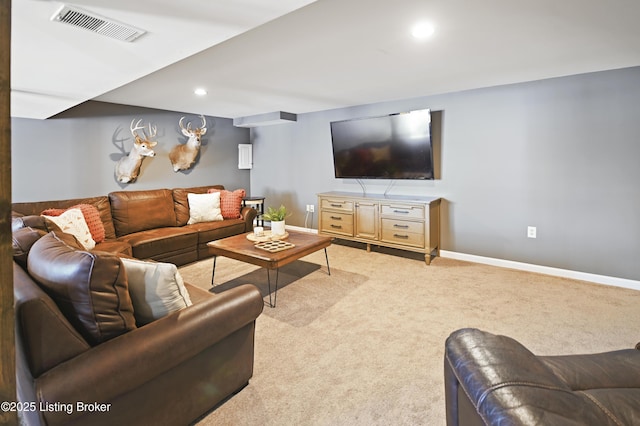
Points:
[(239, 247)]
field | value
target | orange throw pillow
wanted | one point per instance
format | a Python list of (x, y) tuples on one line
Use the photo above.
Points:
[(230, 202), (91, 216)]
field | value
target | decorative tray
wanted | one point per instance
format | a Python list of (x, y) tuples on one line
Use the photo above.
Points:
[(274, 246), (266, 237)]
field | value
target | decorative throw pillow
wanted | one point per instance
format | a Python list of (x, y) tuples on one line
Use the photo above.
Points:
[(230, 202), (156, 289), (90, 288), (204, 208), (91, 216), (72, 222)]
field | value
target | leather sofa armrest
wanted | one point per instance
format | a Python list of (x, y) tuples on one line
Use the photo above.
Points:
[(142, 354), (481, 364), (248, 214)]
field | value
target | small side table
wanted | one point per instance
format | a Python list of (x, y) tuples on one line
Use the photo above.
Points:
[(258, 204)]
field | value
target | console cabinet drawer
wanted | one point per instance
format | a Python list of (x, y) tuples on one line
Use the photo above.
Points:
[(337, 223), (402, 211), (404, 238), (402, 226), (342, 205)]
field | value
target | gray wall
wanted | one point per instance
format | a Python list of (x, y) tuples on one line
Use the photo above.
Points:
[(74, 154), (560, 154)]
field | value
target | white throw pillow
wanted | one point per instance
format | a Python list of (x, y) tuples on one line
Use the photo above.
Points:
[(72, 222), (156, 289), (204, 208)]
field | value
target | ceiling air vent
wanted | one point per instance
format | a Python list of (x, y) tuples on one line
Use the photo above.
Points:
[(96, 23)]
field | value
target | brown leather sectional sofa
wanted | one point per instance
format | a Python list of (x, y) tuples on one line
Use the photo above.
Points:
[(168, 372), (494, 380), (152, 224)]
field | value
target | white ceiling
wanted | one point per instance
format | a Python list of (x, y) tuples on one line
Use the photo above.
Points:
[(260, 56)]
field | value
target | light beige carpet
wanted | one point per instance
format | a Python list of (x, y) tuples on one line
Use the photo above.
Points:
[(365, 345)]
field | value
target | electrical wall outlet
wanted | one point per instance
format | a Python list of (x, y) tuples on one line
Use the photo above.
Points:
[(531, 232), (312, 208)]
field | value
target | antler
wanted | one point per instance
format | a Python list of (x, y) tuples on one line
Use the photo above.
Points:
[(152, 130), (188, 129), (137, 127)]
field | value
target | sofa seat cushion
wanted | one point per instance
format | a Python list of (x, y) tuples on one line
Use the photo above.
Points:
[(135, 211), (210, 231), (158, 243), (90, 288), (119, 248)]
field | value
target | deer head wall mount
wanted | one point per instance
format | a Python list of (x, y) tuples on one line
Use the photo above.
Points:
[(182, 156), (128, 168)]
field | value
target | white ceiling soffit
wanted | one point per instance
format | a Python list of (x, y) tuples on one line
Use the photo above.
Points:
[(55, 67), (258, 56), (267, 119)]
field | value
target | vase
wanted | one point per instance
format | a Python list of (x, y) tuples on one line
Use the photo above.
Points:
[(277, 227)]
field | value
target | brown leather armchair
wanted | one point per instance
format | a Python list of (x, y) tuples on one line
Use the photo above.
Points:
[(494, 380)]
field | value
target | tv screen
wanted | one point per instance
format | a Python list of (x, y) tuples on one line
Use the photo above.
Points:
[(395, 146)]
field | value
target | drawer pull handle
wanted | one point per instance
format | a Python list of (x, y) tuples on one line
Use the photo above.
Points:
[(336, 217), (336, 205), (401, 211), (336, 226), (401, 236), (395, 225)]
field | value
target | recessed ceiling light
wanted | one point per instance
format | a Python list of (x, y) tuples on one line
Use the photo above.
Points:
[(422, 30), (200, 91)]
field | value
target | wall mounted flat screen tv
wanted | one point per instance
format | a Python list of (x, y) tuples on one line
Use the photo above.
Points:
[(395, 146)]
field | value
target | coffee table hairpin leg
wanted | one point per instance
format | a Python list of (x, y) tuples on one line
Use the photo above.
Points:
[(275, 293), (213, 272), (272, 304), (327, 258)]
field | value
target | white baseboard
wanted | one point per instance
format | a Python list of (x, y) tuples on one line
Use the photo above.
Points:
[(565, 273), (301, 229), (557, 272)]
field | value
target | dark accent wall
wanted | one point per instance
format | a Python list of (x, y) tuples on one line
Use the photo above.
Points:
[(74, 153), (560, 154)]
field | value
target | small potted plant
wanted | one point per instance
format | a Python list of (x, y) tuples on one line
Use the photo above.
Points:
[(276, 217)]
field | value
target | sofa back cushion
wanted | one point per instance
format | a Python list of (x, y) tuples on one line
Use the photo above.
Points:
[(19, 221), (22, 241), (44, 336), (135, 211), (181, 201), (101, 203), (90, 288)]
